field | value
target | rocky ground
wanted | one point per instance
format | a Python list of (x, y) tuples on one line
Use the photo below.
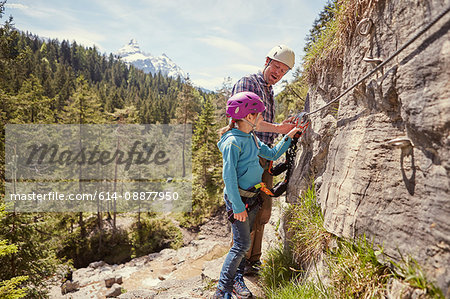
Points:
[(189, 272)]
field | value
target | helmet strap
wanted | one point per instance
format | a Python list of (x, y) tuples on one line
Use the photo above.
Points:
[(253, 125)]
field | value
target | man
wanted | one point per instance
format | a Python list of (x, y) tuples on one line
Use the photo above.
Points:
[(279, 61)]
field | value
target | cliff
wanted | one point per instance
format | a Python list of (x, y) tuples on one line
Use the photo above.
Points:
[(381, 160)]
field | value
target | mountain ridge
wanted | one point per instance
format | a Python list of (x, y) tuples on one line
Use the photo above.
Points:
[(132, 55)]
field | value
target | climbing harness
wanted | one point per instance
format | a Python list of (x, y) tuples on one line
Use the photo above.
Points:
[(251, 198), (254, 191)]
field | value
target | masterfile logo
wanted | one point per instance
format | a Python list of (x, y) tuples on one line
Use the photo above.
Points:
[(75, 167)]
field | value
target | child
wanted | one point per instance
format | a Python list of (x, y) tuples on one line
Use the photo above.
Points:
[(242, 177)]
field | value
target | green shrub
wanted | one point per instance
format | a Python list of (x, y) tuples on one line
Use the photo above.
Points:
[(309, 238), (410, 271), (298, 291), (278, 269), (111, 246), (12, 288), (355, 271), (152, 235)]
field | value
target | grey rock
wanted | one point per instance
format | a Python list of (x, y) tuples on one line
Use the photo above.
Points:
[(110, 281), (138, 294), (212, 268), (69, 286), (398, 289), (96, 265), (115, 291), (397, 197), (118, 279)]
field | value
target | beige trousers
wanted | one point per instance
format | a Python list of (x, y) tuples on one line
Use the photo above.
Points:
[(262, 217)]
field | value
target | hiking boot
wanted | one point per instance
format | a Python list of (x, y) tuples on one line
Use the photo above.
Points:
[(219, 294), (240, 290), (252, 268)]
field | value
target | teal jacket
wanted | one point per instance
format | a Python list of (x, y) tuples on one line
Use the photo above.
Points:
[(241, 166)]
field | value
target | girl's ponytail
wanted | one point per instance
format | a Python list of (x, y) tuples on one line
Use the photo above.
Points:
[(230, 126)]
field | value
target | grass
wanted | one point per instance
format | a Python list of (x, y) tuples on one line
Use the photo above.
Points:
[(328, 50), (355, 271), (309, 238), (297, 291), (410, 271), (209, 284), (353, 268), (278, 268)]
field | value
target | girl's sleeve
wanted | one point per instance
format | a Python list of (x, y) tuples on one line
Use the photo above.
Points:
[(275, 152), (230, 158)]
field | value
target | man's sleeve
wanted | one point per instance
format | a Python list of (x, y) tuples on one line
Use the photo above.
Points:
[(244, 84)]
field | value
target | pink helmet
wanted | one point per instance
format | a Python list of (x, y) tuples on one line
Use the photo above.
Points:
[(244, 103)]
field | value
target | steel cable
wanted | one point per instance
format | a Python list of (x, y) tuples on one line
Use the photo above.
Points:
[(426, 28)]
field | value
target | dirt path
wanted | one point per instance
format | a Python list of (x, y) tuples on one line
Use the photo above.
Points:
[(189, 272)]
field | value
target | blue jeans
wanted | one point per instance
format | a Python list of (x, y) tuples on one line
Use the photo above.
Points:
[(234, 263)]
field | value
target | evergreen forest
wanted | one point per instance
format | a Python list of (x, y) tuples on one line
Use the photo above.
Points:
[(47, 81)]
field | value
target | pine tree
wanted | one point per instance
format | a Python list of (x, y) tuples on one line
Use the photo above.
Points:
[(34, 258), (206, 164), (207, 157), (8, 52), (83, 106), (186, 112), (122, 116), (10, 288), (320, 22), (31, 104), (223, 94)]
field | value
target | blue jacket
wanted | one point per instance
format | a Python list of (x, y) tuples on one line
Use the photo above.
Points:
[(241, 162)]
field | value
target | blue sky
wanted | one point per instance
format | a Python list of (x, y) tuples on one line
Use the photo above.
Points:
[(209, 39)]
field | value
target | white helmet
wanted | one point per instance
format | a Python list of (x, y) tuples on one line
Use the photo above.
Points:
[(284, 54)]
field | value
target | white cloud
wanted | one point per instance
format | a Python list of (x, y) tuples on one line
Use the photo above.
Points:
[(16, 6), (246, 68), (82, 37), (227, 45), (220, 30), (212, 83), (37, 10)]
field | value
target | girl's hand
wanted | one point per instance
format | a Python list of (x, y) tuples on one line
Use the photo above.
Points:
[(241, 216)]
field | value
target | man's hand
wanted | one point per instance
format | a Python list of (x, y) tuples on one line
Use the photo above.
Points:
[(285, 127), (241, 216), (282, 128), (289, 120)]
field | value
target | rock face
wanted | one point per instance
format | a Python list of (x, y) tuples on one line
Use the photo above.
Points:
[(396, 192)]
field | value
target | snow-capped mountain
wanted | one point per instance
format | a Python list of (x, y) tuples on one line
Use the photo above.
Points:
[(132, 54)]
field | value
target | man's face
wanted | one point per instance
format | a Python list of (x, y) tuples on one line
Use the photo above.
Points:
[(275, 71)]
